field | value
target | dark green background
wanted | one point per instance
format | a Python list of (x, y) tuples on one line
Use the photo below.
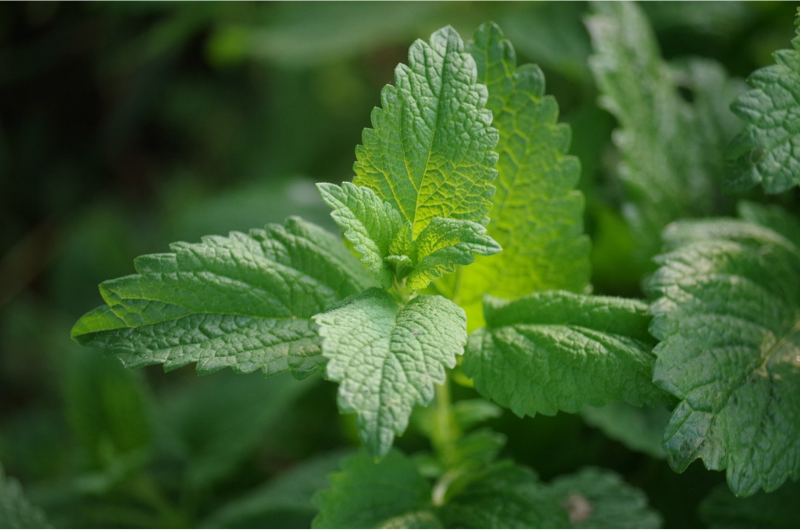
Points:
[(124, 126)]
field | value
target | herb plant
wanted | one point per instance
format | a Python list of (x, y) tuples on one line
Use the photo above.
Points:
[(464, 261)]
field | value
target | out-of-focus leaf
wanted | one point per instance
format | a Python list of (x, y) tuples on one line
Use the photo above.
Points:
[(367, 494), (224, 417), (638, 428), (596, 498), (778, 509), (15, 510), (289, 492)]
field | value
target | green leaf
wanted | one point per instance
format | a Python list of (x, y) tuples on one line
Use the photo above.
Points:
[(445, 243), (667, 155), (242, 301), (368, 222), (15, 510), (429, 152), (368, 494), (638, 428), (388, 357), (728, 317), (556, 351), (537, 216), (107, 408), (596, 498), (721, 509), (766, 151), (290, 492), (503, 495)]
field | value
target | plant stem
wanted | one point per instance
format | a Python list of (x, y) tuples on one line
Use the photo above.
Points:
[(445, 431)]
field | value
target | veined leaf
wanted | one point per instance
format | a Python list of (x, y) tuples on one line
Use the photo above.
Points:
[(556, 351), (596, 498), (502, 495), (766, 151), (242, 301), (429, 152), (368, 222), (388, 357), (728, 317), (537, 216), (368, 494), (667, 157), (444, 244), (15, 510)]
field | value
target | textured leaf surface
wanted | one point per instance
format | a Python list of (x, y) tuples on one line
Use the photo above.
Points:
[(768, 150), (429, 152), (596, 498), (15, 510), (444, 244), (721, 509), (242, 301), (728, 317), (503, 495), (667, 150), (638, 428), (556, 351), (368, 494), (368, 222), (537, 216), (388, 357)]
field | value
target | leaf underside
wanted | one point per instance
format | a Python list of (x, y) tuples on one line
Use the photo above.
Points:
[(388, 357), (728, 317), (556, 351), (768, 150), (429, 152), (242, 301)]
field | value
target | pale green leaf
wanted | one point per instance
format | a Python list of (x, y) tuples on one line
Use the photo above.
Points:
[(596, 498), (15, 510), (367, 494), (669, 154), (445, 243), (556, 351), (242, 301), (368, 222), (638, 428), (502, 495), (537, 216), (728, 317), (429, 152), (387, 357), (766, 151)]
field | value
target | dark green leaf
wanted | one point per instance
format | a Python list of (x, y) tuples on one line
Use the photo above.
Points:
[(727, 315)]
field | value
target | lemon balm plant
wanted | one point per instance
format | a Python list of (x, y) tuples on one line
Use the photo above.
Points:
[(463, 259)]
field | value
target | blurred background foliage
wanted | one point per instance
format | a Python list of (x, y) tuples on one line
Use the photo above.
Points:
[(125, 126)]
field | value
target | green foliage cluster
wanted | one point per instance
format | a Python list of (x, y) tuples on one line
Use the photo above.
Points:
[(461, 286)]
